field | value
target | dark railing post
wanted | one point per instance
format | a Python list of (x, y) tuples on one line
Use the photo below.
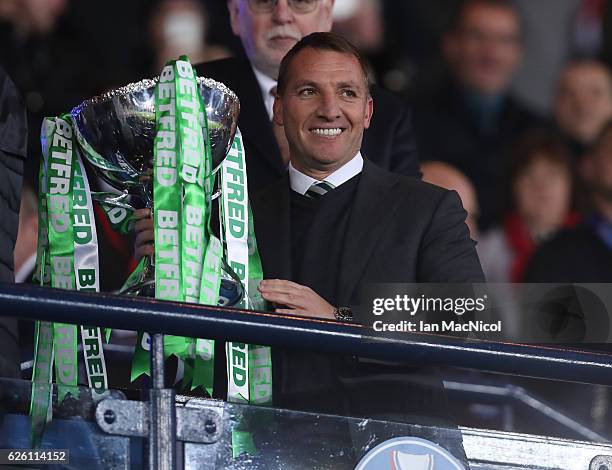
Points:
[(162, 423)]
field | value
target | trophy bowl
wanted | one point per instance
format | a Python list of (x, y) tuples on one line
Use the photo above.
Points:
[(116, 131)]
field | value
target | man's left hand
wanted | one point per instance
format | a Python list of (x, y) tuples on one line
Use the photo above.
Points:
[(301, 300)]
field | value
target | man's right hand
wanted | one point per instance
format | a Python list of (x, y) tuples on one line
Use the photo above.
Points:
[(143, 245)]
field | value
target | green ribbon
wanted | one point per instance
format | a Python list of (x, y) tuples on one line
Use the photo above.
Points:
[(204, 365), (242, 443), (167, 190), (60, 201), (55, 263), (203, 373), (140, 361), (196, 163), (167, 193), (243, 258), (118, 213), (254, 298), (249, 367), (67, 257), (65, 350), (87, 271)]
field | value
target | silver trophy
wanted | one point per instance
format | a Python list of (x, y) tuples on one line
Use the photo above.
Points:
[(115, 132)]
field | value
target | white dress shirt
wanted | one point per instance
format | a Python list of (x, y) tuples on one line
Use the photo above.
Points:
[(300, 183)]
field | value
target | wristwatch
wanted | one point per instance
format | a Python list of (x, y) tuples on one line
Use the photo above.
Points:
[(344, 314)]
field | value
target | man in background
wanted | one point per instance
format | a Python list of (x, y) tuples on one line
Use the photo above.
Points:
[(470, 120), (583, 104), (448, 177), (267, 30), (13, 137)]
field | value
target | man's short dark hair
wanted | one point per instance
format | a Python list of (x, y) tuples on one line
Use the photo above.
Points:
[(585, 61), (463, 6), (321, 42), (539, 144)]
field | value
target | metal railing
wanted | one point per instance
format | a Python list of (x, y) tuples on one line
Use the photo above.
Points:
[(272, 329)]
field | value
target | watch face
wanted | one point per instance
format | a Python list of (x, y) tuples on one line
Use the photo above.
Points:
[(344, 314)]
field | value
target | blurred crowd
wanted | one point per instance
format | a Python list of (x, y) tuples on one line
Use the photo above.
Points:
[(511, 101)]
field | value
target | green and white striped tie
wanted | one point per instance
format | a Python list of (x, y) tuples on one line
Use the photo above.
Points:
[(319, 189)]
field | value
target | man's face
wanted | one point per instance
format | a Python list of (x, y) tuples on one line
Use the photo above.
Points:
[(584, 101), (485, 50), (42, 15), (267, 37), (542, 191), (324, 109)]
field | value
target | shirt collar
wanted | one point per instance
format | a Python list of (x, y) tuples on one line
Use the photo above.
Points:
[(301, 182), (265, 85)]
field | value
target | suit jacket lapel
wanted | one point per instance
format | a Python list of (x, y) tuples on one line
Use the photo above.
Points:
[(256, 128), (373, 207), (271, 220)]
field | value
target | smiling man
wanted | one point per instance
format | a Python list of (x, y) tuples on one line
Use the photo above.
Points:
[(267, 30), (337, 222), (330, 107)]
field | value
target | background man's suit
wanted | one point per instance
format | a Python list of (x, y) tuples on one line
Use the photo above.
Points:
[(13, 138), (390, 141), (399, 230)]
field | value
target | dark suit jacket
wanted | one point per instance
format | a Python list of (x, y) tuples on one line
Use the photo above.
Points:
[(13, 136), (574, 255), (389, 142), (400, 230)]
